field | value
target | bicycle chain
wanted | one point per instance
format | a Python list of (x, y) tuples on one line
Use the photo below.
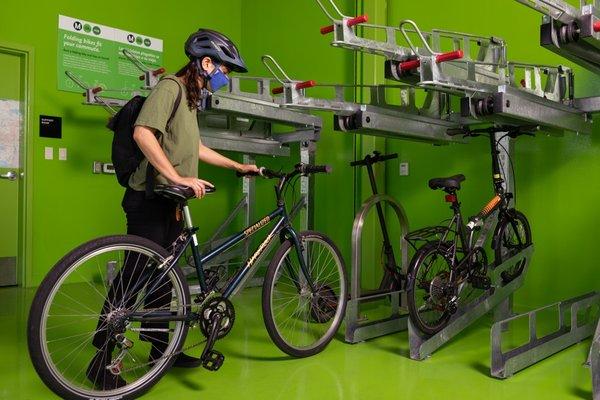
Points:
[(208, 297)]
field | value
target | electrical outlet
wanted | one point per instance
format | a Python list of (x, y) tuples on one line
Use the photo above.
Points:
[(97, 167), (404, 169), (49, 153), (62, 154)]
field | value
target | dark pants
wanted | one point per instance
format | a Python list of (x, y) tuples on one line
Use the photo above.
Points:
[(154, 219)]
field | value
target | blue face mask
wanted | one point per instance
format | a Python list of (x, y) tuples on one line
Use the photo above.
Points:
[(217, 79)]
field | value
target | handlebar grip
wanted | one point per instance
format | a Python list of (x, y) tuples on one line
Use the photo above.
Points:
[(315, 169), (244, 174), (388, 157), (372, 159)]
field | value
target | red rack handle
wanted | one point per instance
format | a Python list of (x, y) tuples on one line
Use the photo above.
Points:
[(97, 89), (450, 56), (597, 26), (361, 19), (440, 58), (159, 71), (300, 85)]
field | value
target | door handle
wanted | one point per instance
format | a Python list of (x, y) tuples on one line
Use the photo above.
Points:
[(10, 175)]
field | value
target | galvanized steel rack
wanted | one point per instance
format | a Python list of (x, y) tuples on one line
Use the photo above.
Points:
[(571, 32), (472, 67), (391, 111)]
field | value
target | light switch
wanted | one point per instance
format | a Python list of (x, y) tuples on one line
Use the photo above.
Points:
[(404, 169), (62, 154), (48, 153)]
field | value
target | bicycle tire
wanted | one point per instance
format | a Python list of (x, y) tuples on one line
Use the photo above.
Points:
[(503, 250), (320, 309), (416, 265), (39, 313)]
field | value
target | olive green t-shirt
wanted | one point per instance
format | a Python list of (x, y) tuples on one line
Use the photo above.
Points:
[(180, 143)]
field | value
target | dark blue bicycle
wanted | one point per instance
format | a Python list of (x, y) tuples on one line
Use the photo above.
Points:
[(78, 311)]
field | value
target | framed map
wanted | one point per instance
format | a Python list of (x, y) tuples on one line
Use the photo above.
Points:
[(10, 132)]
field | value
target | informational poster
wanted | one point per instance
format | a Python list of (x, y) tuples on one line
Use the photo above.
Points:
[(93, 53), (10, 133)]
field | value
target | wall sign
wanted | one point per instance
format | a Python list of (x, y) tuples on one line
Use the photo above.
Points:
[(50, 127), (93, 53)]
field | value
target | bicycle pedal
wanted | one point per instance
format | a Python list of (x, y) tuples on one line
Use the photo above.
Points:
[(213, 360), (481, 282)]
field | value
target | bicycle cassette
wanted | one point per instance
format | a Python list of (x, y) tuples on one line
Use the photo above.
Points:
[(217, 305)]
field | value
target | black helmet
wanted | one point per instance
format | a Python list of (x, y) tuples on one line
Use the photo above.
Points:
[(209, 43)]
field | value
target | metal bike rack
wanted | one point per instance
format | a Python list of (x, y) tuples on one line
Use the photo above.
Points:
[(594, 364), (379, 117), (572, 328), (422, 346), (357, 329), (571, 32), (472, 67)]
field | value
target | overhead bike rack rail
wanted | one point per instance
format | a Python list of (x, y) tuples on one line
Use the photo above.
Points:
[(379, 117), (422, 346), (576, 322), (573, 33), (473, 67)]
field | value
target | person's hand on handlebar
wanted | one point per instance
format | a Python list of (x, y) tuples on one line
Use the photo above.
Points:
[(197, 185), (247, 168)]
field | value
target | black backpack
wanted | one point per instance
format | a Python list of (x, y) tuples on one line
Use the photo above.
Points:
[(126, 155)]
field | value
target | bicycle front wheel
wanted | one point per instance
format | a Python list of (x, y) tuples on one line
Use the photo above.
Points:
[(303, 308), (83, 338)]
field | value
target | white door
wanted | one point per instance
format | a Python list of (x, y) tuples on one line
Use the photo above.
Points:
[(11, 131)]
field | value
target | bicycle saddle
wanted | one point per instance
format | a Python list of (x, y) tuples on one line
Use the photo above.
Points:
[(178, 193), (450, 183)]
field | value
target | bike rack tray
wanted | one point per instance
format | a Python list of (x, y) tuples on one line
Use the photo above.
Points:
[(570, 330), (571, 32), (357, 328), (379, 117), (594, 364), (422, 346)]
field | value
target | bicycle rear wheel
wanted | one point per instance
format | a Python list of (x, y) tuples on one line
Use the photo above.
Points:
[(301, 318), (429, 290), (81, 339)]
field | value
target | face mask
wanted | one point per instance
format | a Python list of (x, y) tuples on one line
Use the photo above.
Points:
[(217, 79)]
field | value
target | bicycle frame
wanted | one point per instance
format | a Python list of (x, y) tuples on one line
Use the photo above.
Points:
[(281, 227)]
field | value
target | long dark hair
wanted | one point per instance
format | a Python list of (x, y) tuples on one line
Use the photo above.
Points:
[(190, 74)]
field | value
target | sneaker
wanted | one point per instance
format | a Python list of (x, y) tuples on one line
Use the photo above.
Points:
[(101, 377)]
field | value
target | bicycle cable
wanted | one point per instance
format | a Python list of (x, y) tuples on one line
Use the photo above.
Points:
[(512, 168)]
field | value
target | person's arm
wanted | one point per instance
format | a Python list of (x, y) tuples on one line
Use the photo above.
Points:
[(211, 157), (147, 142)]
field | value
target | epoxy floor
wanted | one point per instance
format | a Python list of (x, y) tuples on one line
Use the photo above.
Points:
[(378, 369)]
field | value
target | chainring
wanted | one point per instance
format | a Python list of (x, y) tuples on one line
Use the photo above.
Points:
[(219, 305)]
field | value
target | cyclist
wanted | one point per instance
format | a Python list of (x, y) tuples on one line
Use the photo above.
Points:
[(173, 152)]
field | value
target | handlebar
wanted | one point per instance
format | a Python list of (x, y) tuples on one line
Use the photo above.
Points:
[(512, 131), (372, 159), (304, 169)]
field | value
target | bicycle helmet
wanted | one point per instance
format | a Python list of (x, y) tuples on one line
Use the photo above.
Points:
[(209, 43)]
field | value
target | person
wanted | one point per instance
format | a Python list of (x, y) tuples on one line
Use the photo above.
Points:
[(173, 152)]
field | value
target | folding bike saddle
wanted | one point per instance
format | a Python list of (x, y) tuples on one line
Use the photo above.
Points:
[(450, 183), (179, 193)]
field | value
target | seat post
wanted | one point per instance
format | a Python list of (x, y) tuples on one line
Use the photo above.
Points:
[(187, 216)]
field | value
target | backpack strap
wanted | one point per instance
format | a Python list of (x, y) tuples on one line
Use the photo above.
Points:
[(150, 176)]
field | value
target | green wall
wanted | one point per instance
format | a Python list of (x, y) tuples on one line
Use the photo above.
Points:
[(70, 204)]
